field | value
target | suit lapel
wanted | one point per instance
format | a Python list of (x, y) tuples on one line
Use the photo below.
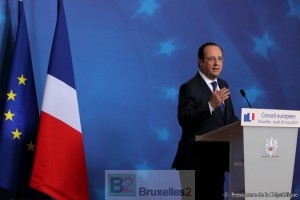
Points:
[(203, 84)]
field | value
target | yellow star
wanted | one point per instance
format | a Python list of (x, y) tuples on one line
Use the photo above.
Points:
[(9, 116), (22, 80), (11, 95), (16, 134), (31, 146)]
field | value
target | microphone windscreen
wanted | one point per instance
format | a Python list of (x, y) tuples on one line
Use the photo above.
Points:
[(243, 93)]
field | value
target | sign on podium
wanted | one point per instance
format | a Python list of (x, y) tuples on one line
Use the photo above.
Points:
[(262, 153)]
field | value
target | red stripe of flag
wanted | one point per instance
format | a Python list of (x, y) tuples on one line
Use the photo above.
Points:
[(60, 172)]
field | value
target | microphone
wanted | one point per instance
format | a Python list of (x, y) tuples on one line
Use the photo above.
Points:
[(243, 93)]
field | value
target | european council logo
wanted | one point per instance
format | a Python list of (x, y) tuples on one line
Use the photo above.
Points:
[(248, 117)]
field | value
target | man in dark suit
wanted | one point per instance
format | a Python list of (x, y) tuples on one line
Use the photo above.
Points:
[(203, 107)]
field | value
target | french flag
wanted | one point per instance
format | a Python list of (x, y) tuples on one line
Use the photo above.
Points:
[(59, 168)]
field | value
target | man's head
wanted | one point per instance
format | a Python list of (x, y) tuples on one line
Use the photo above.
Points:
[(210, 60)]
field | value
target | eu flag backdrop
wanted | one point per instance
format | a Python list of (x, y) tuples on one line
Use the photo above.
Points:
[(19, 119)]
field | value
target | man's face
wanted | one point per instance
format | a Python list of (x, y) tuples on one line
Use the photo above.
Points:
[(212, 63)]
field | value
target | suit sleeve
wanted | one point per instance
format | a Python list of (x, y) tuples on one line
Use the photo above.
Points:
[(193, 107)]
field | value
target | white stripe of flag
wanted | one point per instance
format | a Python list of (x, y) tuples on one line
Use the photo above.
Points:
[(64, 109)]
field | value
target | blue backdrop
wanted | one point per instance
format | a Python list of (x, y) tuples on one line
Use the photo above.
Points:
[(130, 58)]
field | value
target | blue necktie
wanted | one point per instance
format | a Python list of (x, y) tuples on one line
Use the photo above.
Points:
[(215, 84)]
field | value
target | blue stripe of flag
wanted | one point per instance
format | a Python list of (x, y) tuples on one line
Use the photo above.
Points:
[(60, 65)]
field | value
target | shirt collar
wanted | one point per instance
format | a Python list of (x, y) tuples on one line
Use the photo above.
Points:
[(207, 80)]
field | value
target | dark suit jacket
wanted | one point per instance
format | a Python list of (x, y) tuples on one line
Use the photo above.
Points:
[(195, 119)]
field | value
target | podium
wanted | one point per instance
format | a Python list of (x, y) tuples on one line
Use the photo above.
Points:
[(262, 153)]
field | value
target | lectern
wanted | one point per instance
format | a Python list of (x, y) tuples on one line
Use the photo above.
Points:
[(262, 153)]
